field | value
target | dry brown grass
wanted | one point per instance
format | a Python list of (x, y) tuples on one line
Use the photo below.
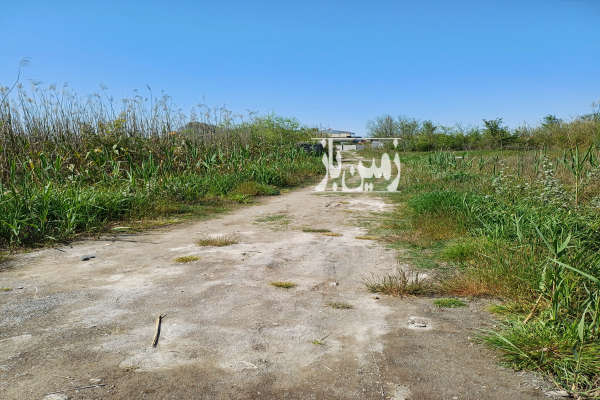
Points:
[(473, 285), (218, 241), (399, 284), (331, 234), (428, 230), (367, 237)]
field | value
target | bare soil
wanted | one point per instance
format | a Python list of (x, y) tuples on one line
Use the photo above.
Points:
[(228, 333)]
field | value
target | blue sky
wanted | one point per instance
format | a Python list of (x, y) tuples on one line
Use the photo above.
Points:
[(333, 64)]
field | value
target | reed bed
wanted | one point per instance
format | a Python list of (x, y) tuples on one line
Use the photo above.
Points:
[(72, 164)]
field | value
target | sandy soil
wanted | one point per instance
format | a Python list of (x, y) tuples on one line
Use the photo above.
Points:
[(229, 334)]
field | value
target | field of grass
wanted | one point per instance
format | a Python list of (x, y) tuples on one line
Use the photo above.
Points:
[(519, 226), (72, 165)]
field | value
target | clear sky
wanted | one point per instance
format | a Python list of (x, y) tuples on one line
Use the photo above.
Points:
[(330, 63)]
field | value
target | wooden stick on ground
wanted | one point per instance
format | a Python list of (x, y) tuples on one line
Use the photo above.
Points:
[(157, 330), (79, 388), (533, 309)]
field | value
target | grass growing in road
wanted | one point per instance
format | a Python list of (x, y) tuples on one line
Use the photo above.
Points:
[(218, 241), (283, 284), (398, 283), (340, 305), (449, 303), (367, 237), (315, 230), (186, 259), (277, 221), (273, 218)]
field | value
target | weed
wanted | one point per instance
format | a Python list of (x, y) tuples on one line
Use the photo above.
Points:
[(506, 309), (318, 342), (335, 234), (398, 284), (5, 289), (186, 259), (218, 241), (251, 188), (338, 305), (279, 221), (459, 251), (283, 285), (315, 230), (272, 218), (541, 346), (449, 303)]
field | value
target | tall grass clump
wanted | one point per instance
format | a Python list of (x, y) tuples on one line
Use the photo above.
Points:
[(526, 229), (72, 164)]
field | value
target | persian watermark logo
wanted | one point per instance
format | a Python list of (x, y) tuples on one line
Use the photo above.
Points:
[(359, 175)]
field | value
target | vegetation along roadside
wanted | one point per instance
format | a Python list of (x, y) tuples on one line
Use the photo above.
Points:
[(73, 165), (519, 226)]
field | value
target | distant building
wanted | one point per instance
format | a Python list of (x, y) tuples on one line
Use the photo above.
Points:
[(332, 133)]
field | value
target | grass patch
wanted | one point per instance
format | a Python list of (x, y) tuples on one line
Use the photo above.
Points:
[(541, 346), (507, 309), (459, 251), (279, 221), (367, 237), (315, 230), (186, 259), (274, 218), (283, 284), (252, 188), (449, 303), (318, 342), (334, 234), (398, 284), (5, 289), (218, 241), (339, 305)]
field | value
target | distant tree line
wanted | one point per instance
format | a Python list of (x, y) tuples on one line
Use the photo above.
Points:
[(494, 134)]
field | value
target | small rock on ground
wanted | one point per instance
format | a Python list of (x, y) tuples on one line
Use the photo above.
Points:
[(56, 396), (557, 394)]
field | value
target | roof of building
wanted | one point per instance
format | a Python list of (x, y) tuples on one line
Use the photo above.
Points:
[(338, 132)]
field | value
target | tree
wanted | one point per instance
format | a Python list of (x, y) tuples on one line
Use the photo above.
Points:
[(383, 126), (426, 140), (494, 129), (408, 128), (551, 121)]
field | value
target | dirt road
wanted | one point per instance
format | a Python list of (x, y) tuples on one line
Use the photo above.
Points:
[(228, 333)]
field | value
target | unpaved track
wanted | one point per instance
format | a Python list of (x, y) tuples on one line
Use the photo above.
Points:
[(229, 334)]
